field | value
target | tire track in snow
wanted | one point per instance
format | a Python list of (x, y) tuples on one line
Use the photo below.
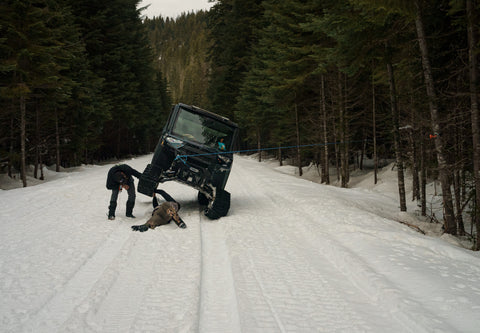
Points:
[(152, 287), (306, 298), (292, 303), (343, 260), (218, 311), (171, 302), (113, 301), (77, 287), (375, 287), (384, 294)]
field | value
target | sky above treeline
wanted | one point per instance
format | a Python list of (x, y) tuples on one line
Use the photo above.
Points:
[(173, 8)]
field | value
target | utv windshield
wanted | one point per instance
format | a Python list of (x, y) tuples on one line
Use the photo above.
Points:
[(204, 130)]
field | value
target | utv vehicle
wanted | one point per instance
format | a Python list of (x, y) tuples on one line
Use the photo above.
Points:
[(195, 149)]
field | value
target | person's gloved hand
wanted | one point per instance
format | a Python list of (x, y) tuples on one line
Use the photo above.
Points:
[(140, 228)]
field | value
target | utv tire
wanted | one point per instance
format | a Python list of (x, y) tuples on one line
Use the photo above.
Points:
[(148, 181), (202, 199), (220, 205)]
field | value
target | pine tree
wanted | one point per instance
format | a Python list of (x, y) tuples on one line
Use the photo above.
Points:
[(35, 57), (473, 31), (119, 53), (232, 25)]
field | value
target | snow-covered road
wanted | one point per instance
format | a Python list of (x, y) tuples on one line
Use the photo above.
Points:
[(291, 256)]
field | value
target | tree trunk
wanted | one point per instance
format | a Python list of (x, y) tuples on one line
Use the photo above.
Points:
[(449, 217), (346, 134), (22, 140), (325, 171), (10, 148), (336, 139), (374, 129), (259, 146), (280, 155), (37, 141), (415, 178), (423, 178), (396, 134), (473, 68), (297, 129), (413, 135), (342, 134), (364, 149), (458, 202), (337, 153), (42, 177), (57, 142)]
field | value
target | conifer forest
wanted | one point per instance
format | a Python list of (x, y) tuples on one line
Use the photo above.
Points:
[(332, 83)]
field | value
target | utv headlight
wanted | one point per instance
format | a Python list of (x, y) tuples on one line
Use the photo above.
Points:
[(175, 143)]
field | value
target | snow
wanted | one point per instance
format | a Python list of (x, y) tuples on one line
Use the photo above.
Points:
[(291, 256)]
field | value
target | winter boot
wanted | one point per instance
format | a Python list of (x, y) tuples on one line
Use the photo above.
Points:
[(180, 223), (111, 210), (130, 206)]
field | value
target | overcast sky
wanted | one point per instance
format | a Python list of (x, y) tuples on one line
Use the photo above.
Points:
[(173, 8)]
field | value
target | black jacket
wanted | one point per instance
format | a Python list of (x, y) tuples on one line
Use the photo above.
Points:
[(114, 172)]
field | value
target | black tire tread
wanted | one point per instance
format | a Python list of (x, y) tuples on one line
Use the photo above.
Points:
[(220, 206)]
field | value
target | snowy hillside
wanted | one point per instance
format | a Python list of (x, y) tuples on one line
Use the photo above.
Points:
[(291, 256)]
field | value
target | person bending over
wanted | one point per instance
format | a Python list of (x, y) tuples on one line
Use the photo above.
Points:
[(120, 177)]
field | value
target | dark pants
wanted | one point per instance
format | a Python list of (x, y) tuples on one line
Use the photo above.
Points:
[(130, 201), (165, 195)]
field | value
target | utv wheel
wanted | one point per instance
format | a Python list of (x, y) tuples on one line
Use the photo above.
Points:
[(202, 199), (147, 182), (220, 205)]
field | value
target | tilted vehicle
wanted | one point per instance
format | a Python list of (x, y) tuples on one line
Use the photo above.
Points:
[(195, 149)]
